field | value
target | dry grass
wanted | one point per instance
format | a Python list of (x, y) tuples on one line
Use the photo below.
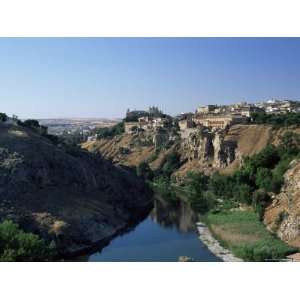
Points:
[(246, 236), (233, 235)]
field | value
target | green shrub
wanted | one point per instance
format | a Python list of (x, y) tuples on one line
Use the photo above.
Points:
[(31, 123), (110, 132), (162, 186), (171, 164), (143, 170), (243, 193), (16, 245), (277, 120), (3, 117)]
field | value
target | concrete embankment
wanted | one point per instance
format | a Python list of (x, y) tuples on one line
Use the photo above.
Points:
[(213, 245)]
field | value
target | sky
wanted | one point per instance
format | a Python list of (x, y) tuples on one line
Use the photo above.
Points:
[(102, 77)]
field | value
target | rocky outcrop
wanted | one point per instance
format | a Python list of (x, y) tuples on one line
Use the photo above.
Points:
[(283, 215), (200, 146), (67, 195), (206, 146), (225, 151), (201, 150), (160, 138)]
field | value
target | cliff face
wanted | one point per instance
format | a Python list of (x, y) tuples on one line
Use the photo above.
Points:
[(210, 147), (283, 215), (72, 197), (200, 150)]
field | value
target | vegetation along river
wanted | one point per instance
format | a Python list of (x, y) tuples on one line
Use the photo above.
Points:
[(167, 233)]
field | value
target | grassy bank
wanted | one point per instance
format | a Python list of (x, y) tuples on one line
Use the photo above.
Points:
[(245, 236)]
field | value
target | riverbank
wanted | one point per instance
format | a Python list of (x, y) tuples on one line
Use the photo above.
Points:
[(245, 236), (213, 245)]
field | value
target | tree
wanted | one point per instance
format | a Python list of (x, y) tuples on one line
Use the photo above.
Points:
[(171, 164), (290, 142), (3, 117), (109, 132), (16, 245), (264, 179), (144, 170), (243, 194), (31, 123)]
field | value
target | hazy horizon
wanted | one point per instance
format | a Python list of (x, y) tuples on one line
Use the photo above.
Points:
[(102, 77)]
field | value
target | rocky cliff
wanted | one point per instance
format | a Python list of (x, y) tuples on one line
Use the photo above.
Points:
[(70, 196), (206, 146), (283, 215), (224, 151), (200, 149)]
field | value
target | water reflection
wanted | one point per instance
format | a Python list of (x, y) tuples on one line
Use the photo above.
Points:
[(171, 214), (167, 233)]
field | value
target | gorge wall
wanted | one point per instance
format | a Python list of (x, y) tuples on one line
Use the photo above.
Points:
[(283, 215), (200, 150)]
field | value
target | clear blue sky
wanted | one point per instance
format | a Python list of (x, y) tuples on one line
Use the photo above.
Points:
[(102, 77)]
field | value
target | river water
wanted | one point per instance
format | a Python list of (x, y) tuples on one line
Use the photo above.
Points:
[(166, 234)]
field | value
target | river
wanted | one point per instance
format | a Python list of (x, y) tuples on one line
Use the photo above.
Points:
[(166, 234)]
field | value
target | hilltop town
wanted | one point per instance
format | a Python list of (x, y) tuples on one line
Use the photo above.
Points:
[(206, 136), (211, 116), (211, 138)]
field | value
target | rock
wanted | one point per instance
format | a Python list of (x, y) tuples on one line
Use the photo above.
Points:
[(206, 146), (185, 259), (160, 138), (282, 216)]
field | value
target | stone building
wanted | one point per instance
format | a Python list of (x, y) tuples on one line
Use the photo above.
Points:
[(219, 121), (206, 109), (129, 126), (186, 123)]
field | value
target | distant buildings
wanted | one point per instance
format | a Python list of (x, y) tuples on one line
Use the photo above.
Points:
[(219, 121), (216, 116), (280, 106), (185, 121), (146, 120), (130, 126), (212, 116)]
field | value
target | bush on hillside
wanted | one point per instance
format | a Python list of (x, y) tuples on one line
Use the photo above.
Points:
[(110, 132), (277, 120), (144, 170), (3, 117), (16, 245), (171, 164), (30, 123)]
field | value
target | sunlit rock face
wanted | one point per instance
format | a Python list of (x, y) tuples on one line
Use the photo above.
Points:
[(283, 215), (211, 147)]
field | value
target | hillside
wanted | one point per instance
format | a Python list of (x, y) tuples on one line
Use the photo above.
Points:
[(283, 214), (199, 152), (128, 150), (66, 195)]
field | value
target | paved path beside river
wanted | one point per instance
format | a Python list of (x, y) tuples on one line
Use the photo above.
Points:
[(213, 245)]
